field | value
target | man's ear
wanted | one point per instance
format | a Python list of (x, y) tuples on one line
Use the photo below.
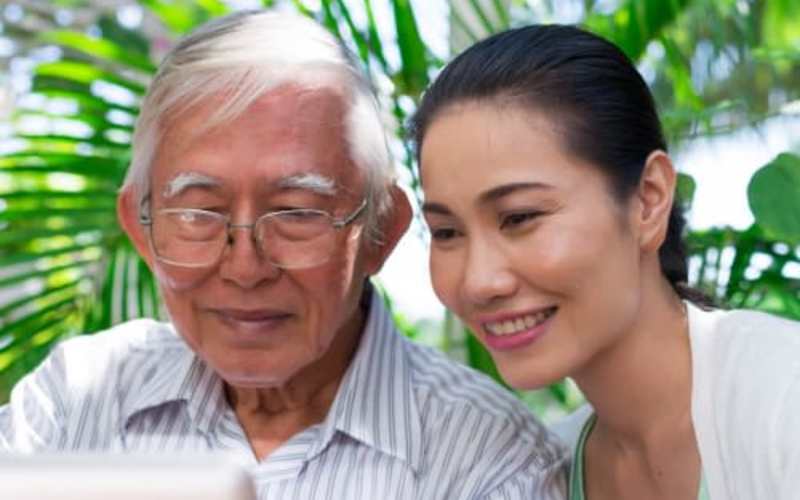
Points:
[(655, 195), (393, 226), (128, 217)]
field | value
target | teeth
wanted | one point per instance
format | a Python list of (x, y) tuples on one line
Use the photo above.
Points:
[(511, 327)]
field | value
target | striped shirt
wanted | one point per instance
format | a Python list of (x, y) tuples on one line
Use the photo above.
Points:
[(406, 422)]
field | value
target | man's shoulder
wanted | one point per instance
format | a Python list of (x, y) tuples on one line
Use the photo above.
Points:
[(130, 338), (446, 388), (112, 356), (482, 426)]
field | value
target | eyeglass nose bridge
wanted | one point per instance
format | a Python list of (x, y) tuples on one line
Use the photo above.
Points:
[(230, 227)]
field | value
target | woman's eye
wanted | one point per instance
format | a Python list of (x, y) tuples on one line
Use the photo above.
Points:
[(517, 219), (443, 234)]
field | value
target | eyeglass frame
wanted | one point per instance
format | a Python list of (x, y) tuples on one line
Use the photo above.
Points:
[(145, 219)]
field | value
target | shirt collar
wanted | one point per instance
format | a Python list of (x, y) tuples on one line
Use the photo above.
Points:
[(375, 403)]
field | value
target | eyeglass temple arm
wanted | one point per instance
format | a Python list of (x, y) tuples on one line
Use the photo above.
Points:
[(353, 216)]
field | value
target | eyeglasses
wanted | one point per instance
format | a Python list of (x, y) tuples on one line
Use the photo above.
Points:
[(289, 239)]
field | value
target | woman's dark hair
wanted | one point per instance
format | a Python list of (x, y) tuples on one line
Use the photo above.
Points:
[(604, 107)]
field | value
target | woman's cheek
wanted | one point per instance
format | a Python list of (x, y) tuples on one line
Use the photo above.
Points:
[(444, 278)]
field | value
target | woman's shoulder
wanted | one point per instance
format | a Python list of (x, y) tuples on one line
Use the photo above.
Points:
[(568, 429), (746, 367), (746, 397), (745, 335)]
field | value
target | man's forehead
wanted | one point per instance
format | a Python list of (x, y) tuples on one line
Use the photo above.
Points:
[(289, 103)]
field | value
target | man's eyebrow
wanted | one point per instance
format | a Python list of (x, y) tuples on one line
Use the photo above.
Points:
[(506, 189), (188, 180), (310, 181)]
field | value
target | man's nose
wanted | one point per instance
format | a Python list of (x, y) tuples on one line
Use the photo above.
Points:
[(488, 274), (243, 262)]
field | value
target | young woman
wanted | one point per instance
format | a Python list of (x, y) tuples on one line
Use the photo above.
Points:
[(556, 237)]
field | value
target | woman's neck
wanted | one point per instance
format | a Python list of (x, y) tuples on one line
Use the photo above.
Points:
[(641, 386), (643, 443)]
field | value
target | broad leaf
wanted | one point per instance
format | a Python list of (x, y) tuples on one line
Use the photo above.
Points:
[(774, 196)]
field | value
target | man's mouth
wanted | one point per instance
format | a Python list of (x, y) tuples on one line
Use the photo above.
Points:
[(258, 318)]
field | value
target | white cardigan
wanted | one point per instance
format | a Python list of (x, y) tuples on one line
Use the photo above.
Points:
[(745, 404)]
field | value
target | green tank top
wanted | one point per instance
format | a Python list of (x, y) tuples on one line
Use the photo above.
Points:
[(576, 491)]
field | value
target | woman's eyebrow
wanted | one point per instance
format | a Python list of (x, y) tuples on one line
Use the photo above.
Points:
[(506, 189), (435, 208), (490, 195)]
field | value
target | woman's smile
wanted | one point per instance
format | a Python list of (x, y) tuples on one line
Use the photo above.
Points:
[(513, 330)]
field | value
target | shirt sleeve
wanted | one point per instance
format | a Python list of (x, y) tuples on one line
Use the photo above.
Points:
[(33, 420), (787, 441)]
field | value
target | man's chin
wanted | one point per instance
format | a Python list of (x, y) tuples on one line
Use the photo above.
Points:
[(240, 376), (252, 381)]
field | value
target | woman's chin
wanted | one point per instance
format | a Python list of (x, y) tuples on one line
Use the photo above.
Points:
[(528, 375)]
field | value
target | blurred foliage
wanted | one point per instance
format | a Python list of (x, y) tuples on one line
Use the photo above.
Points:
[(66, 268)]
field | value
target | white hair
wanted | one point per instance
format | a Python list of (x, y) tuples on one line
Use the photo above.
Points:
[(242, 56)]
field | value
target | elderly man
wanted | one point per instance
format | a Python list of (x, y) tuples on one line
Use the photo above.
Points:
[(261, 196)]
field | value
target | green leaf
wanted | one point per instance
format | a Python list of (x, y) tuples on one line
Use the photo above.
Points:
[(81, 94), (774, 196), (298, 4), (774, 56), (38, 296), (81, 213), (361, 42), (76, 265), (68, 251), (781, 24), (81, 72), (28, 320), (477, 8), (57, 142), (18, 236), (132, 40), (637, 22), (502, 13), (99, 48), (685, 189), (374, 38), (180, 16), (480, 359), (413, 53), (459, 22), (679, 72), (46, 162), (51, 194)]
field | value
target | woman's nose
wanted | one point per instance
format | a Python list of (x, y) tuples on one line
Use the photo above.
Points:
[(488, 276)]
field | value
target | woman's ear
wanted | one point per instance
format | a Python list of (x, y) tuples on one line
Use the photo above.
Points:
[(655, 194), (393, 227), (128, 216)]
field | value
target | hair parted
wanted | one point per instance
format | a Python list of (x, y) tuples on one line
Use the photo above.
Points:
[(588, 87), (244, 55)]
